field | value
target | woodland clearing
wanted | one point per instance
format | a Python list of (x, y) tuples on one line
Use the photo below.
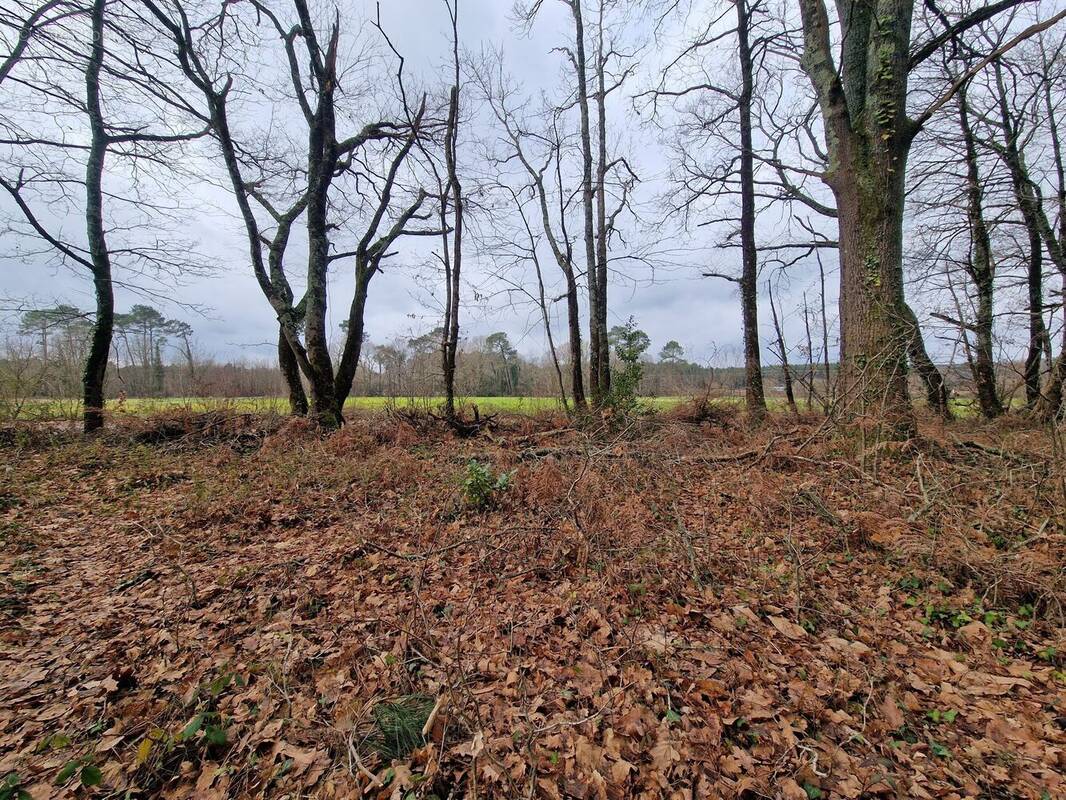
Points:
[(234, 605)]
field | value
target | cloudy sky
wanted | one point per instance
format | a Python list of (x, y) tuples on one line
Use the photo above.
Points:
[(233, 320)]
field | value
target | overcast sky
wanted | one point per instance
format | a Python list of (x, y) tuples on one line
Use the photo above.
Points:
[(232, 318)]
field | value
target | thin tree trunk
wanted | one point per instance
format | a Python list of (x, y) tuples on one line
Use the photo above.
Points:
[(290, 371), (982, 272), (782, 352), (827, 397), (1058, 376), (103, 326), (451, 321), (565, 260), (754, 396), (1037, 332), (810, 353), (936, 391), (453, 265), (596, 347), (601, 211), (353, 344), (1040, 233)]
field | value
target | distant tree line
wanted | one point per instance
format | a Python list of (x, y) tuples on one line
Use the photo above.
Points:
[(154, 356), (850, 123)]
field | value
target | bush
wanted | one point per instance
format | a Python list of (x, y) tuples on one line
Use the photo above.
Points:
[(630, 343), (481, 485)]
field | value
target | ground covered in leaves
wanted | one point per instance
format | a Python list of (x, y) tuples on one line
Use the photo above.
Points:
[(676, 607)]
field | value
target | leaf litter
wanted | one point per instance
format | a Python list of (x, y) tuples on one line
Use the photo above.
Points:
[(666, 609)]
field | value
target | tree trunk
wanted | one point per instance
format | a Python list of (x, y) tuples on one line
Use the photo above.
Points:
[(982, 272), (936, 391), (601, 212), (452, 266), (596, 347), (754, 397), (324, 408), (103, 326), (573, 319), (873, 333), (1037, 332), (828, 392), (353, 343), (868, 137), (290, 371), (782, 352), (1052, 406), (810, 353)]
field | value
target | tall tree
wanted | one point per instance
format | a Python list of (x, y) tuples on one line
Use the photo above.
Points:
[(723, 112), (543, 169), (592, 86), (453, 264), (329, 157), (134, 77), (861, 86)]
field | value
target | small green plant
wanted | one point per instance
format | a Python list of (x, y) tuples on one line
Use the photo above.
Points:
[(482, 486), (11, 788), (53, 741), (398, 726), (942, 717), (88, 773), (202, 737), (630, 343), (939, 750), (910, 583)]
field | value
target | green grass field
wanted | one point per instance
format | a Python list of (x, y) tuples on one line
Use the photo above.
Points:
[(41, 409), (44, 409)]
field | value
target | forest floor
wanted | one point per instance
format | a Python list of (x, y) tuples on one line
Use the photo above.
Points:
[(229, 606)]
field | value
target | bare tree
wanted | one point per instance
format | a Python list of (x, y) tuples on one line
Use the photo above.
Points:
[(545, 181), (77, 41), (329, 157), (861, 86), (782, 352), (452, 265), (599, 222), (727, 113)]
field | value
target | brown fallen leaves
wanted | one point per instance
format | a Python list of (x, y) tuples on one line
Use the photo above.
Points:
[(637, 616)]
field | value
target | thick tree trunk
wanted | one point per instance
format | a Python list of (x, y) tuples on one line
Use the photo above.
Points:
[(868, 138), (873, 335), (753, 380), (103, 326)]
